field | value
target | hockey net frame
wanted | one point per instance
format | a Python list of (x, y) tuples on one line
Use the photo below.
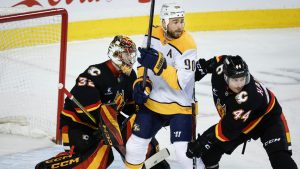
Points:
[(63, 50)]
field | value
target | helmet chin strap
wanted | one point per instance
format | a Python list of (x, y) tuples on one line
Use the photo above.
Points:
[(164, 23), (165, 28)]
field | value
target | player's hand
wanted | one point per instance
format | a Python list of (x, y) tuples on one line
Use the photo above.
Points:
[(152, 59), (140, 94), (203, 67), (200, 69), (207, 65), (199, 147)]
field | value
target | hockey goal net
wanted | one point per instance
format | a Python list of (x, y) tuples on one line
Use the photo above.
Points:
[(32, 63)]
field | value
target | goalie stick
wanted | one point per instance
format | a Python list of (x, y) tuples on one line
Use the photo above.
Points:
[(103, 127), (156, 158), (71, 97)]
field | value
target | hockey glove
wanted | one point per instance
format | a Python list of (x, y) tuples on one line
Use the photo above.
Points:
[(198, 148), (140, 94), (203, 67), (152, 59)]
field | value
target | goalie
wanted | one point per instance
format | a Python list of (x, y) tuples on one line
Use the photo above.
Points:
[(105, 92)]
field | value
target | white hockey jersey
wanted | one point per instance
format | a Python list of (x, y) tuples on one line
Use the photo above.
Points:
[(172, 91)]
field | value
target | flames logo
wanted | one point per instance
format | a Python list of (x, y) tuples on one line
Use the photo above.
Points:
[(221, 108)]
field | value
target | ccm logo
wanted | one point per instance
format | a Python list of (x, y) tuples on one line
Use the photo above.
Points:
[(272, 141)]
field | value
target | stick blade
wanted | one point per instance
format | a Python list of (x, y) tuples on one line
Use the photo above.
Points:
[(156, 158)]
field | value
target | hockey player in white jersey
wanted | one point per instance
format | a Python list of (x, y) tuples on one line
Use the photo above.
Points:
[(168, 95)]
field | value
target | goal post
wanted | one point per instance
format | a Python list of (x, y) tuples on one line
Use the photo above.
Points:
[(33, 48)]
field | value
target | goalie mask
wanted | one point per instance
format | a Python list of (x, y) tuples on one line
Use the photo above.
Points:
[(122, 52), (170, 10)]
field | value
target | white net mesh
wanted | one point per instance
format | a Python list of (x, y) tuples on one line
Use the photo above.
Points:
[(29, 72)]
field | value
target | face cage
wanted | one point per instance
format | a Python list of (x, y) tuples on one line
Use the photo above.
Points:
[(129, 58), (115, 53), (127, 62)]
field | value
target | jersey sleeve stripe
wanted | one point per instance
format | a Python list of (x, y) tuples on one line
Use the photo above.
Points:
[(74, 118), (167, 108), (219, 134), (89, 108), (253, 123), (175, 48), (287, 131)]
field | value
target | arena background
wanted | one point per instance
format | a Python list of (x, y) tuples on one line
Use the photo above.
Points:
[(104, 18)]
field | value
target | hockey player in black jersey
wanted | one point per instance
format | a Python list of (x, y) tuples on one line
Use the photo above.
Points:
[(105, 91), (248, 110)]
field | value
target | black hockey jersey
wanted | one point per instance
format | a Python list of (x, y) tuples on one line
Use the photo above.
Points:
[(99, 84), (242, 112)]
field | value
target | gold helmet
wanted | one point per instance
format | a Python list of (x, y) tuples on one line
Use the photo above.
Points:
[(122, 51)]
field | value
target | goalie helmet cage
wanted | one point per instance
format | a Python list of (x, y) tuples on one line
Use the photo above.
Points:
[(33, 47)]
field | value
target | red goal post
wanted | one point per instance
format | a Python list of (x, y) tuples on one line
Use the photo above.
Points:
[(9, 54)]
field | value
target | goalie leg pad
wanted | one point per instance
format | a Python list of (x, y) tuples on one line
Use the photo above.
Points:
[(136, 149), (81, 138), (99, 157)]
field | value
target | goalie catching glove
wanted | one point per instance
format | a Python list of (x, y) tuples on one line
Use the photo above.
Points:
[(152, 59), (140, 94)]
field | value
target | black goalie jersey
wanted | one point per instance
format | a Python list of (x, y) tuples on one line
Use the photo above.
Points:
[(243, 112), (99, 84)]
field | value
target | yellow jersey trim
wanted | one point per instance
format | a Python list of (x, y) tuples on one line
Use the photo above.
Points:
[(167, 108), (170, 76), (133, 166), (189, 43)]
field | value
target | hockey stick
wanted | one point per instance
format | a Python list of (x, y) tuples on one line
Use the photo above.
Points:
[(156, 158), (244, 146), (194, 122), (72, 98), (149, 38)]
